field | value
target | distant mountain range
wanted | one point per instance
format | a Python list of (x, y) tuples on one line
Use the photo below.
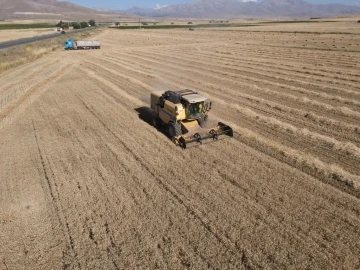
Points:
[(53, 9), (236, 8)]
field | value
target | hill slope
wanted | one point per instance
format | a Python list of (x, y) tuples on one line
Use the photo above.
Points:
[(50, 9), (47, 8)]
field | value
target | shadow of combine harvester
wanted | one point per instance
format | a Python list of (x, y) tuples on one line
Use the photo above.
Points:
[(147, 115)]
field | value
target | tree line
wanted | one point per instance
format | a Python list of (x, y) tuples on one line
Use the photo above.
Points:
[(77, 25)]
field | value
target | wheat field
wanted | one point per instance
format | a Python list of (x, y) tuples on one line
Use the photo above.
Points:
[(88, 183)]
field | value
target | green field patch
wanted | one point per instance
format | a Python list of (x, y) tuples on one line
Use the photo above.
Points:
[(25, 26)]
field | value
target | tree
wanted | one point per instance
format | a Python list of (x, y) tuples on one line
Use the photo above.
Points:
[(144, 23), (84, 24), (92, 22), (117, 24), (60, 24), (76, 25), (190, 23)]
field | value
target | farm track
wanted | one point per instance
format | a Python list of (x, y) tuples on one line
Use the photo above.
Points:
[(87, 183)]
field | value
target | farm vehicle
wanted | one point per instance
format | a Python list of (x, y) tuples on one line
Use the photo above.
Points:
[(71, 44), (184, 114)]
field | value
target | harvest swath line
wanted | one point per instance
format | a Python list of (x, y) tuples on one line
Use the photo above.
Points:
[(350, 129), (290, 54), (325, 151), (306, 144), (233, 68), (122, 140), (186, 70), (119, 99), (323, 107), (293, 70)]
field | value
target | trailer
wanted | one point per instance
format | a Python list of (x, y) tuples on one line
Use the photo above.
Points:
[(71, 44)]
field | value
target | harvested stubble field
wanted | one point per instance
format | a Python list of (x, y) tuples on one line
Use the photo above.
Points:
[(87, 184), (23, 54)]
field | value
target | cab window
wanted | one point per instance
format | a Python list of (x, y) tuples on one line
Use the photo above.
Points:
[(194, 110)]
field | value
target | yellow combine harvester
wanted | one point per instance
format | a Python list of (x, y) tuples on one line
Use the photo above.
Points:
[(185, 113)]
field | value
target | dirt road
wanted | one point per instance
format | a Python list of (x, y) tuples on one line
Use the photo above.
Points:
[(87, 183)]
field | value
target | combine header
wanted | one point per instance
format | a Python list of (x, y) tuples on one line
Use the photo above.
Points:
[(185, 114)]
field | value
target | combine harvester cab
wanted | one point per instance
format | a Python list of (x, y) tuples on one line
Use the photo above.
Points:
[(184, 113)]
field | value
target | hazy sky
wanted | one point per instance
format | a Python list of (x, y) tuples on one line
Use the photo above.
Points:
[(125, 4)]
